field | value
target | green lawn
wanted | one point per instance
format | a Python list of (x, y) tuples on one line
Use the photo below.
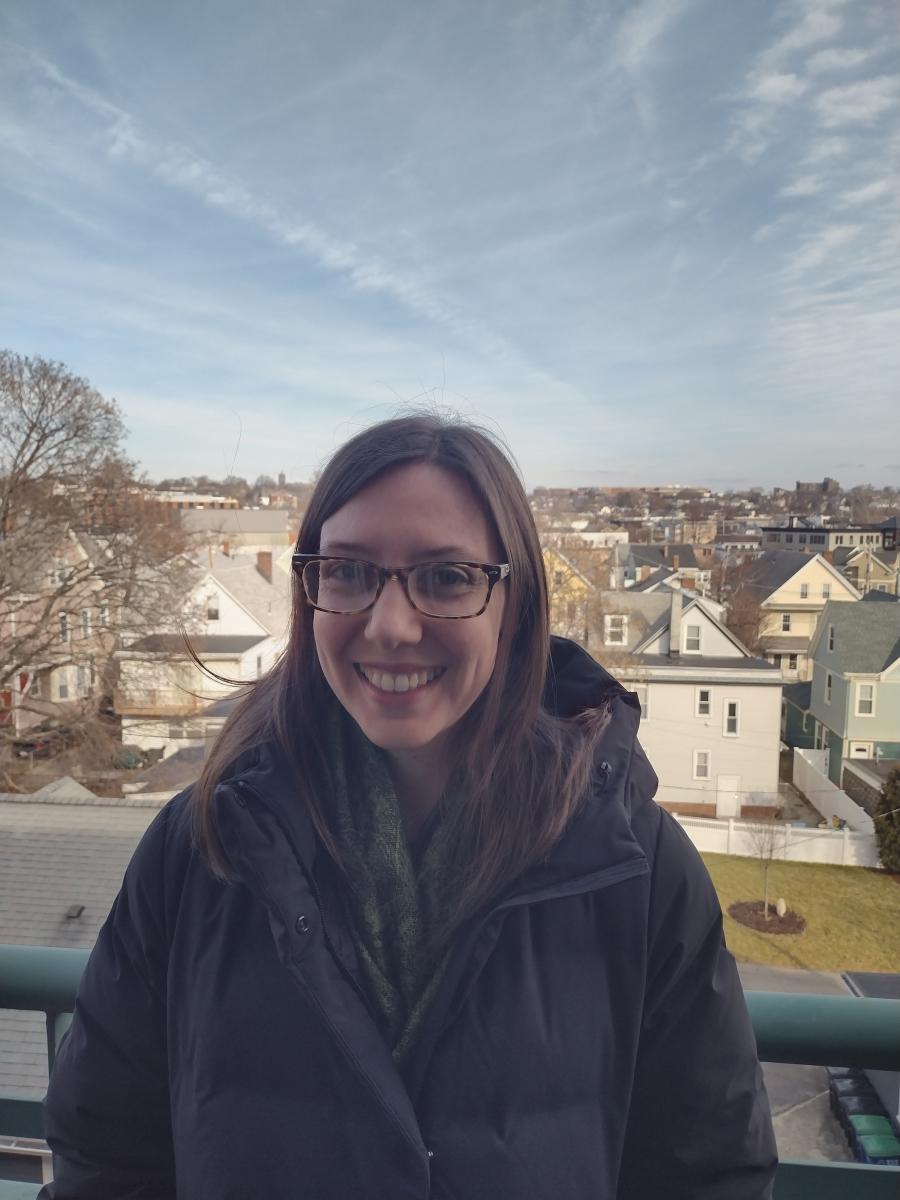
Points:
[(852, 915)]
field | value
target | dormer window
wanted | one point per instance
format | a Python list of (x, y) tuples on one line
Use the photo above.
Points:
[(615, 629), (692, 639), (212, 608), (804, 591)]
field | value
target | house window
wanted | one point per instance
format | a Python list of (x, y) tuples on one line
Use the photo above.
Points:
[(831, 638), (732, 718), (692, 639), (701, 764), (826, 591), (865, 699), (642, 691), (792, 662), (615, 630), (63, 627), (85, 622), (104, 614), (802, 539), (880, 587), (704, 701), (775, 660), (62, 687), (212, 608), (789, 538), (839, 540), (558, 579), (785, 622), (82, 681), (804, 591), (828, 687)]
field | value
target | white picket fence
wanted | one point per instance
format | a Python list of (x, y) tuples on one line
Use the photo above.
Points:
[(796, 843)]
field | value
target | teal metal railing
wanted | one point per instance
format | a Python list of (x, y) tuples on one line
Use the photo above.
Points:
[(815, 1030)]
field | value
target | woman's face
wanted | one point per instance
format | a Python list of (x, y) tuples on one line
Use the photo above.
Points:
[(414, 514)]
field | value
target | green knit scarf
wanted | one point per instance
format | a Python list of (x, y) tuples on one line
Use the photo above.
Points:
[(394, 893)]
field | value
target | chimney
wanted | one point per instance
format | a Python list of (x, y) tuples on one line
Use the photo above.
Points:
[(675, 561), (264, 564), (675, 625)]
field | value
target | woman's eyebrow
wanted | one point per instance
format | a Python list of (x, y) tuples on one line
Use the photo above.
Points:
[(358, 550)]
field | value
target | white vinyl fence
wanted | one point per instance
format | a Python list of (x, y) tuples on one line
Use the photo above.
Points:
[(810, 778), (796, 843)]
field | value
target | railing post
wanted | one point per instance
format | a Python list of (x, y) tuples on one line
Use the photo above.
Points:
[(728, 835)]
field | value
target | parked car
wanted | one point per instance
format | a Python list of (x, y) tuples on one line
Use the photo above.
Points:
[(43, 740)]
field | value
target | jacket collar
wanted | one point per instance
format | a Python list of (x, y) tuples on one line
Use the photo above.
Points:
[(599, 837)]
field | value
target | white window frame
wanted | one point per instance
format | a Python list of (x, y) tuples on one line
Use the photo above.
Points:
[(829, 686), (608, 639), (698, 701), (786, 621), (104, 613), (688, 638), (62, 686), (859, 699), (708, 765), (804, 591), (792, 662), (726, 732), (826, 591)]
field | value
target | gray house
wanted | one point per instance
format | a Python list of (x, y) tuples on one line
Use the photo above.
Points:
[(855, 695)]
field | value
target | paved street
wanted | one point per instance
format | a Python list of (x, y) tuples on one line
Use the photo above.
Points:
[(804, 1126)]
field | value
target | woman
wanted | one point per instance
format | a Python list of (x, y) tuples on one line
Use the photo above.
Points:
[(419, 930)]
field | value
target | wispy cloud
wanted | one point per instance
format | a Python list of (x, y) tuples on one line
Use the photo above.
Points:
[(836, 60), (857, 103), (866, 194)]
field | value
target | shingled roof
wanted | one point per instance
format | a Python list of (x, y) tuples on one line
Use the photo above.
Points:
[(866, 636), (61, 854)]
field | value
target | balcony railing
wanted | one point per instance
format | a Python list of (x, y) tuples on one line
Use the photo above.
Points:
[(817, 1030)]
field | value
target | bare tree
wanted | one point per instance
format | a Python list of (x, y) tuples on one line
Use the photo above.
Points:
[(86, 562), (732, 584), (766, 836)]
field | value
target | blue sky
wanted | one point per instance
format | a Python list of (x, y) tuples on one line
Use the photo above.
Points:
[(647, 242)]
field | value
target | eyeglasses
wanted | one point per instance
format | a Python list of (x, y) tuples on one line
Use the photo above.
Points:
[(452, 591)]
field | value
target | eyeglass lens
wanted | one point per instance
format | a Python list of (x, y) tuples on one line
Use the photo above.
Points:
[(436, 589)]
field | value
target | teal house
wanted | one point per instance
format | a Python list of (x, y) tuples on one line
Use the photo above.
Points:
[(854, 700)]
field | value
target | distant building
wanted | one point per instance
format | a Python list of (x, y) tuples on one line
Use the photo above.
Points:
[(804, 537), (184, 501), (828, 487)]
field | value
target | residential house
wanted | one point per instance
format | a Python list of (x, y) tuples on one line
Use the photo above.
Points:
[(236, 617), (570, 594), (867, 569), (242, 530), (66, 619), (804, 536), (855, 694), (636, 562), (711, 711), (791, 591)]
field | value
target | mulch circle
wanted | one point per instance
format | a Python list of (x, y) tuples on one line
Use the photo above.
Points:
[(751, 913)]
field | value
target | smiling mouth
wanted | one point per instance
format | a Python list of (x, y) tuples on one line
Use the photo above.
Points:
[(386, 682)]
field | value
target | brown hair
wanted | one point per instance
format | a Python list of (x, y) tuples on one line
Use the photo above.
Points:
[(521, 773)]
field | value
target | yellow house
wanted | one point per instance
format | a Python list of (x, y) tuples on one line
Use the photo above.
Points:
[(571, 594), (791, 590)]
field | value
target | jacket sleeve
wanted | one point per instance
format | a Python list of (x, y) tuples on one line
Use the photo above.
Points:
[(699, 1122), (107, 1114)]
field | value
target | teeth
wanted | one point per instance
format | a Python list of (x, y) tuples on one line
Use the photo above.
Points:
[(400, 683)]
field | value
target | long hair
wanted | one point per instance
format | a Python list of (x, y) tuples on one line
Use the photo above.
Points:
[(520, 773)]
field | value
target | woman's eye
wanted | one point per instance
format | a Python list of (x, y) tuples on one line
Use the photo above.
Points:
[(449, 577)]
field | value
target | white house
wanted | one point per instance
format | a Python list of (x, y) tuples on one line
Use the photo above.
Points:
[(711, 711), (236, 618)]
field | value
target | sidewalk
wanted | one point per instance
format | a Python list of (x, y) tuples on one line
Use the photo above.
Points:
[(798, 1095)]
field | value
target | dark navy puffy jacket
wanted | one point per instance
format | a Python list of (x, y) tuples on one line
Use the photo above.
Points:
[(589, 1039)]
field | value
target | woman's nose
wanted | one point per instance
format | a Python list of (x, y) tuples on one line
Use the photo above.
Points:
[(392, 619)]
